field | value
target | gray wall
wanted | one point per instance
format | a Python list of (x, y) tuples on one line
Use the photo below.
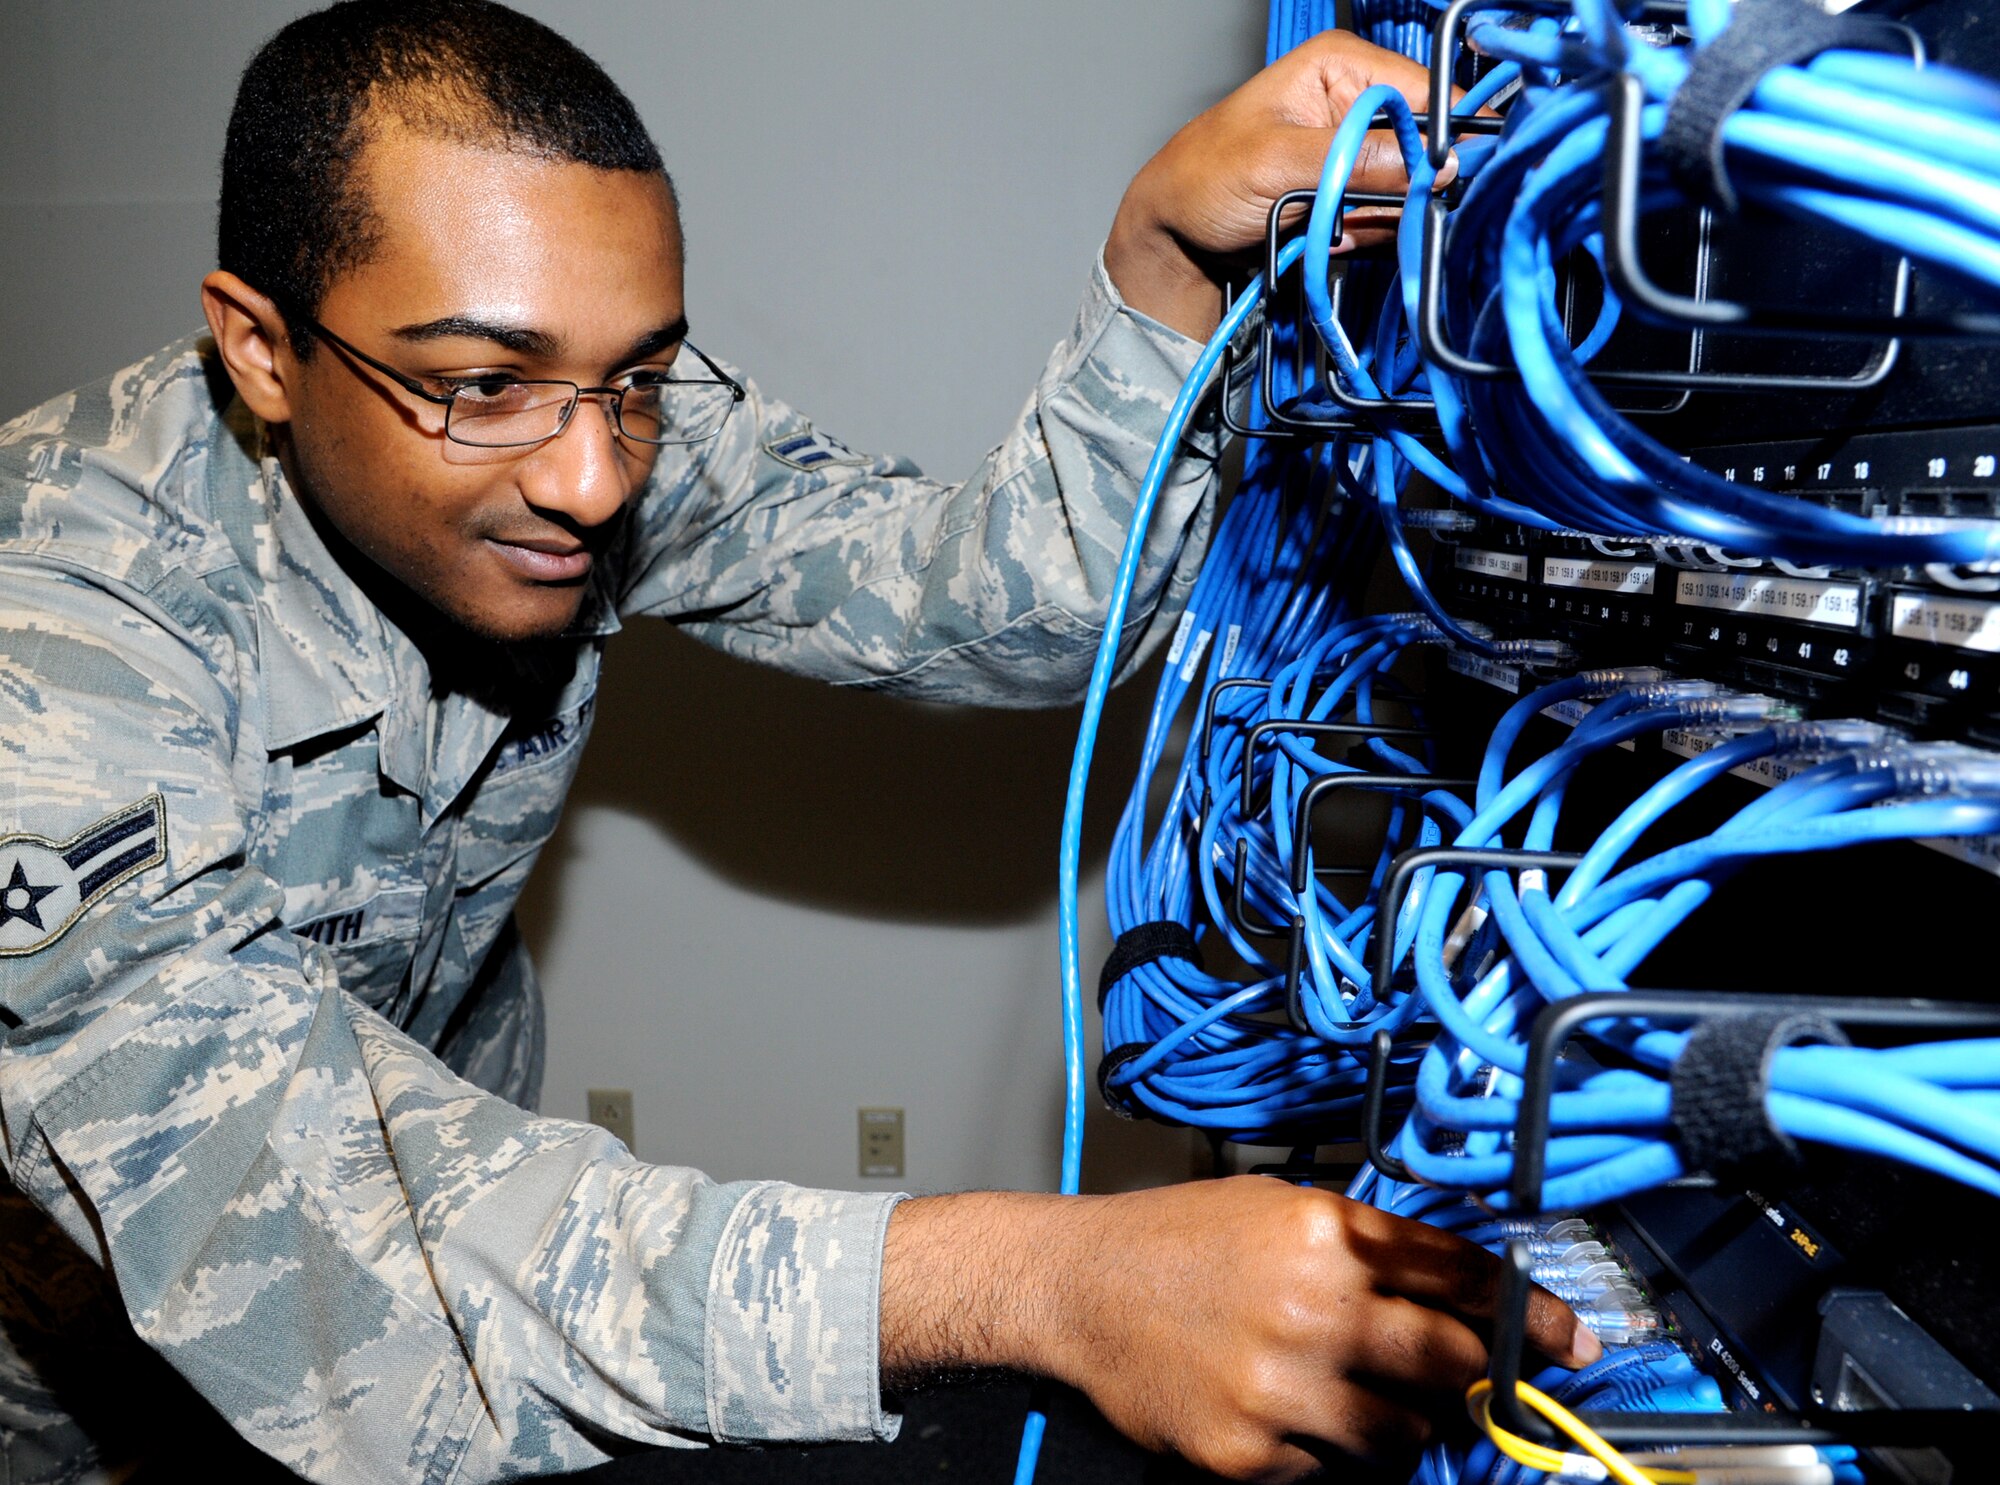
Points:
[(770, 903)]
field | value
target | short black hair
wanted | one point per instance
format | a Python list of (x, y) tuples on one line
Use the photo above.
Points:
[(293, 216)]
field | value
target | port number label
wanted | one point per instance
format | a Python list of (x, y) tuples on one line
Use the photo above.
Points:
[(1606, 577), (1769, 597), (1498, 564), (1962, 623)]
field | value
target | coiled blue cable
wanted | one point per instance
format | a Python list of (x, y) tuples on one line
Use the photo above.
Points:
[(1546, 450)]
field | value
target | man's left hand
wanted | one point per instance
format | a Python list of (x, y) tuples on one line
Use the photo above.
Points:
[(1201, 203)]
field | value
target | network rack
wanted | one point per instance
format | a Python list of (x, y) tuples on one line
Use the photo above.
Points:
[(1841, 1300), (1859, 1287)]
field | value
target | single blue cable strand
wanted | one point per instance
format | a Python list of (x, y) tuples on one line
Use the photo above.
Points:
[(1069, 860)]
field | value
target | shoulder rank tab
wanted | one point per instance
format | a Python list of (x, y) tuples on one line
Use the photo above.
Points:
[(45, 885)]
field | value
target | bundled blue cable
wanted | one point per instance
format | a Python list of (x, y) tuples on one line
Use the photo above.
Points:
[(1210, 854), (1286, 567), (1933, 1106), (1276, 597), (1861, 142), (1399, 25)]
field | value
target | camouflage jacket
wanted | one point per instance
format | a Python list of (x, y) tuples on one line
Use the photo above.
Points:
[(270, 1032)]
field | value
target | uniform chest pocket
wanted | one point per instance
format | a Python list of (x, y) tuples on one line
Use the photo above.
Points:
[(371, 941), (513, 809)]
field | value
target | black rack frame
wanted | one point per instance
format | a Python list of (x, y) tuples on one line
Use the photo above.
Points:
[(1698, 313), (1309, 799), (1553, 1028), (1236, 907), (1702, 312)]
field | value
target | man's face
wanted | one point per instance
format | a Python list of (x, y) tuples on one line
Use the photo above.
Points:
[(487, 264)]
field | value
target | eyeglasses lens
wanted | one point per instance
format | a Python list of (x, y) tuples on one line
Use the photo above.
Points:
[(508, 413), (674, 411)]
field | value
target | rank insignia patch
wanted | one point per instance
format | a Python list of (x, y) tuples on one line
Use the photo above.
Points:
[(45, 885), (810, 449)]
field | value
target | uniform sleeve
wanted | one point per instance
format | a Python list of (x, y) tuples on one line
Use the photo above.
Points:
[(372, 1269), (782, 546)]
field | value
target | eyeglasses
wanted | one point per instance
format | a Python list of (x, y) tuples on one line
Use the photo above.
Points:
[(505, 412)]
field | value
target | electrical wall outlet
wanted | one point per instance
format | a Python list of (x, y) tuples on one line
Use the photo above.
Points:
[(611, 1108), (882, 1142)]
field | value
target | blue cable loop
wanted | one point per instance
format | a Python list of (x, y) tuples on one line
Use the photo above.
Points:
[(1276, 601)]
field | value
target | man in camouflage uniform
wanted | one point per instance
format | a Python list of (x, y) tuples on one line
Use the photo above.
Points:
[(300, 625)]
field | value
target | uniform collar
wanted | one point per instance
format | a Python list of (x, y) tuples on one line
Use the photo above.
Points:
[(324, 644), (332, 660)]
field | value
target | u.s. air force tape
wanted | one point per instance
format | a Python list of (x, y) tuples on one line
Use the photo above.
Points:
[(47, 885)]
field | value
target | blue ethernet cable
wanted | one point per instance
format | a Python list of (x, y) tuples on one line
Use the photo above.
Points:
[(1396, 454), (1103, 670), (1206, 1064), (1830, 139), (1530, 780), (1531, 202), (1851, 1099), (1149, 883)]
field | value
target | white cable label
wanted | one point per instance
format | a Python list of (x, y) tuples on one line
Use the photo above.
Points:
[(1767, 770), (1573, 711), (1469, 923), (1495, 564), (1686, 744), (1635, 578), (1479, 668), (1194, 654), (1964, 624), (1181, 634), (1982, 851), (1229, 647), (1772, 598)]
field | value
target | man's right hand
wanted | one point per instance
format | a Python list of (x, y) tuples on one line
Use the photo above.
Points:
[(1245, 1324)]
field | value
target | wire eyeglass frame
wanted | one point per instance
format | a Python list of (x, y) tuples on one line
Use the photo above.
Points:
[(453, 404)]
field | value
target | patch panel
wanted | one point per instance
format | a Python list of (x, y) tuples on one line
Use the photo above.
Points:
[(1753, 530)]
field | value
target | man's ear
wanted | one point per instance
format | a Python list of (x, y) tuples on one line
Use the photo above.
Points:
[(250, 335)]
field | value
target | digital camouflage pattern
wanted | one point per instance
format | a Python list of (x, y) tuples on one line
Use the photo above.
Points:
[(273, 1073)]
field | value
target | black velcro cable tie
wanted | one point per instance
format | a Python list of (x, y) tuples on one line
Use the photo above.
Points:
[(1719, 1117), (1762, 35), (1119, 1100), (1142, 944)]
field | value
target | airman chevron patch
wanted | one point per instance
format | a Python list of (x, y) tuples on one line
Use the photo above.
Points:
[(810, 449), (45, 885)]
